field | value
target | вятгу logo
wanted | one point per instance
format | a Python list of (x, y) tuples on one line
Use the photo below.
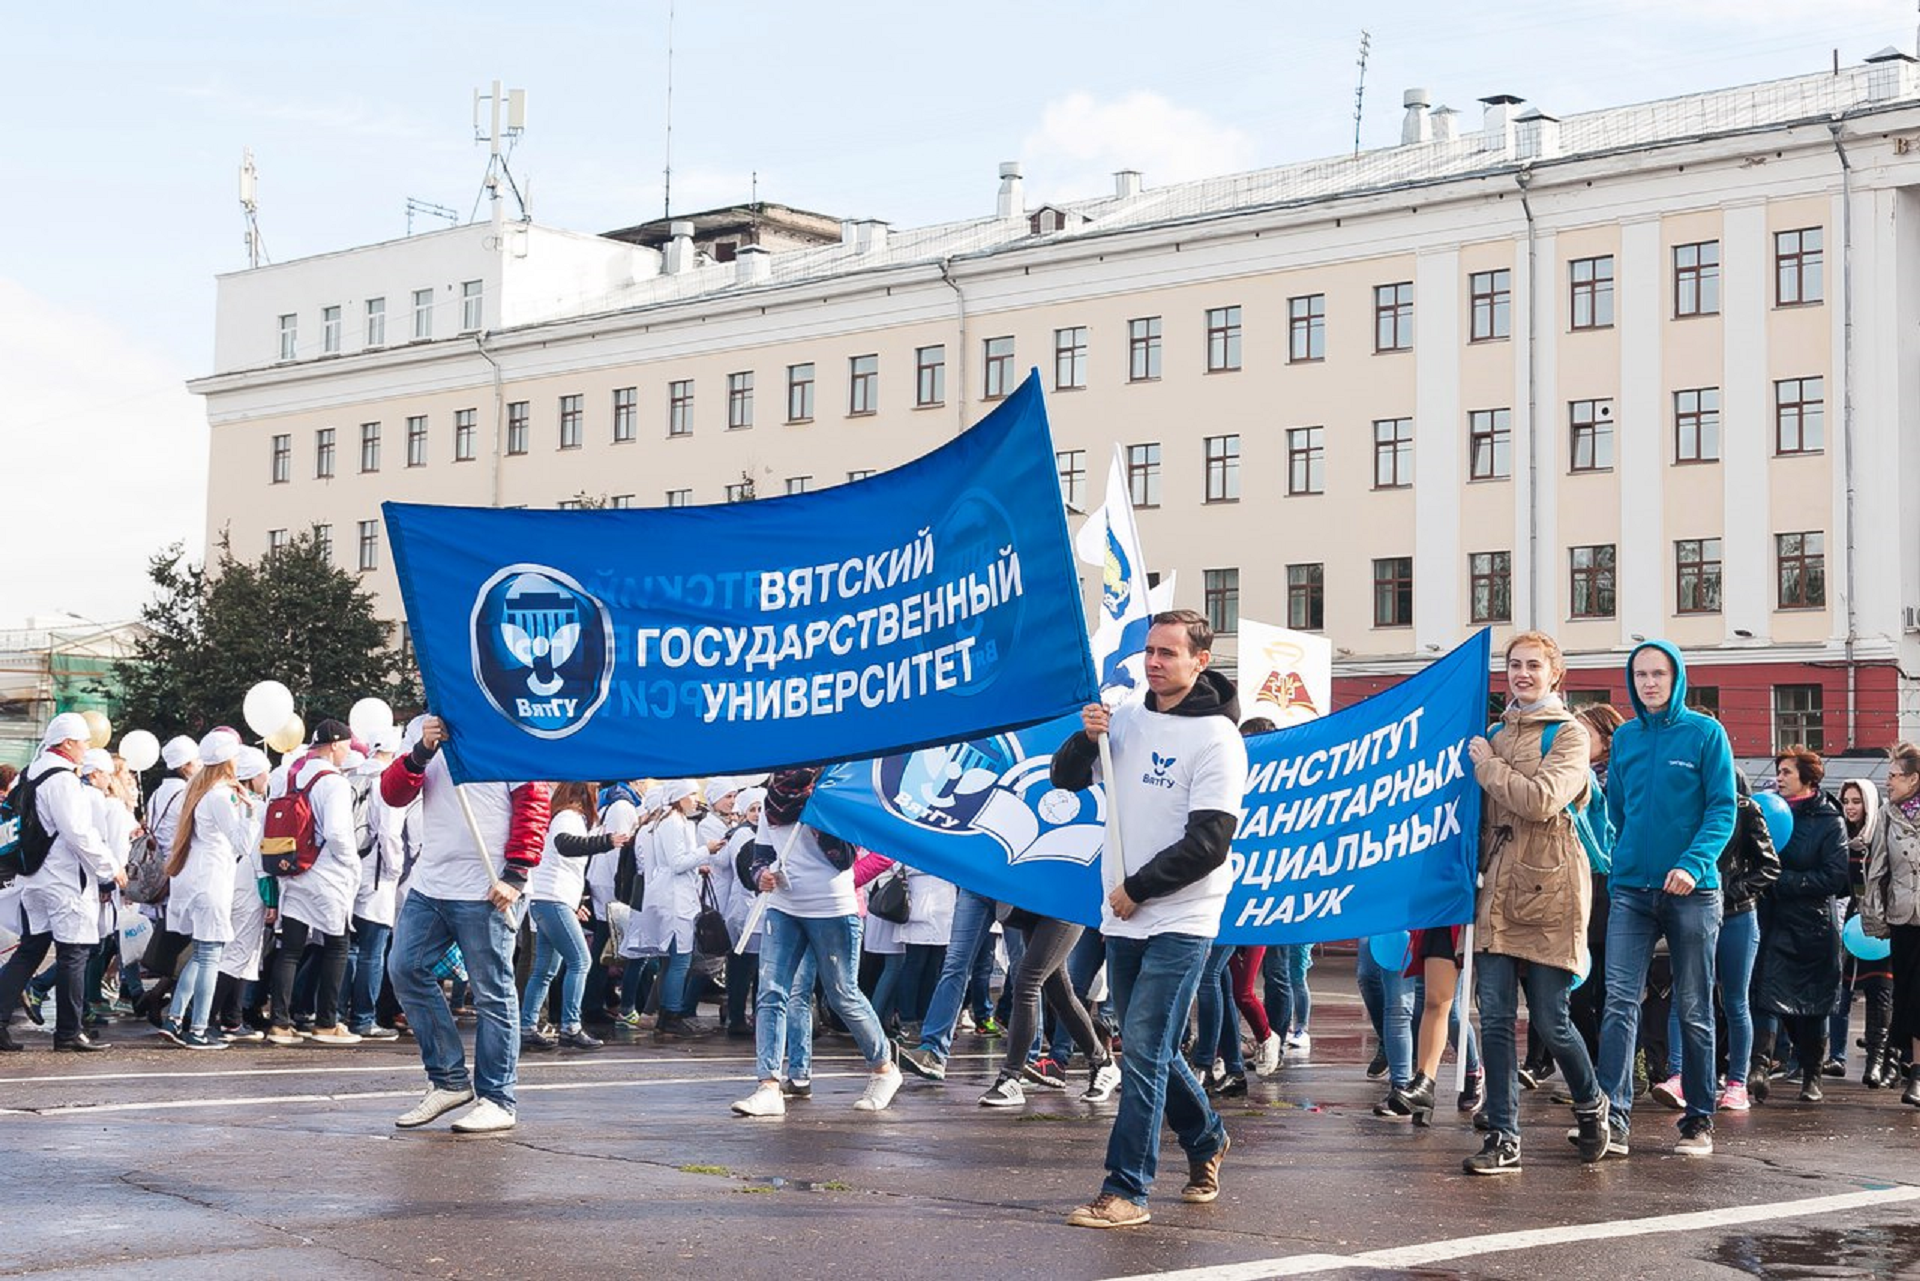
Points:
[(542, 649)]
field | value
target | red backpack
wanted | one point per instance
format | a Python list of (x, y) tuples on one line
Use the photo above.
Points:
[(290, 842)]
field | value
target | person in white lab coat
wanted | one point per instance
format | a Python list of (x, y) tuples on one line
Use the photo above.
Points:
[(255, 900), (316, 904), (677, 861), (209, 847), (378, 902)]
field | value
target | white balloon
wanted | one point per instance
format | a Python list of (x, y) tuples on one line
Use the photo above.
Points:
[(268, 706), (139, 749), (369, 719)]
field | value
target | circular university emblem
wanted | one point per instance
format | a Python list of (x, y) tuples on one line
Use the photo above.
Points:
[(542, 649)]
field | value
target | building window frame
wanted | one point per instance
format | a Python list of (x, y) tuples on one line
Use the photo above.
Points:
[(680, 407), (997, 379), (1590, 292), (1697, 575), (1799, 267), (416, 440), (679, 498), (369, 549), (323, 455), (1393, 591), (1307, 596), (376, 322), (1306, 329), (1591, 581), (626, 414), (422, 315), (1800, 569), (1799, 717), (1490, 586), (800, 392), (1799, 416), (573, 415), (1590, 425), (280, 471), (1223, 340), (1393, 453), (466, 432), (1071, 465), (863, 385), (369, 447), (290, 336), (1696, 425), (472, 305), (1393, 317), (1490, 305), (1306, 461), (1221, 600), (1143, 349), (930, 376), (1070, 358), (1143, 474), (1696, 279), (1490, 444), (330, 330), (740, 400), (1223, 469)]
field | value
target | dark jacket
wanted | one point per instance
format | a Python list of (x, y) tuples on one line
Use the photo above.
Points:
[(1749, 864), (1798, 971)]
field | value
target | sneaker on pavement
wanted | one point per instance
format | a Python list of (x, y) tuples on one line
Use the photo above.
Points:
[(1004, 1093), (437, 1103), (1106, 1079), (282, 1036), (170, 1031), (1267, 1060), (378, 1033), (989, 1027), (923, 1062), (1377, 1068), (881, 1087), (1696, 1137), (202, 1041), (485, 1117), (1591, 1130), (336, 1036), (533, 1039), (1109, 1211), (764, 1101), (799, 1087), (1299, 1044), (1734, 1097), (31, 1004), (1497, 1156), (578, 1038), (1671, 1093), (1617, 1135), (1203, 1174), (1526, 1077), (242, 1033), (1047, 1071)]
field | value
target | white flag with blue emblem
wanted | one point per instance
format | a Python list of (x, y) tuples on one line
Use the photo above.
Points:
[(1110, 540)]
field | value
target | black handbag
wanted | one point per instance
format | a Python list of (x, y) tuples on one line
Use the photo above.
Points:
[(711, 937), (887, 897)]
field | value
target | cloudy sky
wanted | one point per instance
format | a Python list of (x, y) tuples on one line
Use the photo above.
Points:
[(128, 122)]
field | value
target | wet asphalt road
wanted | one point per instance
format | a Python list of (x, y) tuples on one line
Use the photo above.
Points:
[(256, 1162)]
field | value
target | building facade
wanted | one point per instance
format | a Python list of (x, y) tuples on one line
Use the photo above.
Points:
[(1648, 371)]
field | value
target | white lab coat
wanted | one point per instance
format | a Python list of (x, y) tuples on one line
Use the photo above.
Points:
[(735, 899), (673, 887), (200, 901), (323, 895), (63, 897), (378, 900), (930, 904), (244, 951)]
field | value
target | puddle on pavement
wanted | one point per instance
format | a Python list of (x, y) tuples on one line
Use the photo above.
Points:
[(1891, 1252)]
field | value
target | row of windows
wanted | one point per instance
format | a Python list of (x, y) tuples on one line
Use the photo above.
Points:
[(367, 533), (373, 330)]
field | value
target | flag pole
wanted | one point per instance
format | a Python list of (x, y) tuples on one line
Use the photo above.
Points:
[(473, 829), (758, 911), (1463, 998)]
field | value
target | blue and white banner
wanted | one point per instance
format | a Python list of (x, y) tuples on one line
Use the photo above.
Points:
[(929, 604), (1362, 822), (1110, 542)]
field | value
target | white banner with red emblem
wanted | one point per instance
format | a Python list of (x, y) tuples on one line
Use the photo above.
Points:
[(1286, 676)]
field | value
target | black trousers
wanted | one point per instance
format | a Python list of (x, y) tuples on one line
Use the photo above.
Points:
[(70, 961), (294, 936)]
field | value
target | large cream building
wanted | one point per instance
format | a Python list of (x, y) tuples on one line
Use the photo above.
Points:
[(1647, 371)]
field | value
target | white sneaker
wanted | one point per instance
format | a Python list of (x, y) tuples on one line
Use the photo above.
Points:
[(486, 1117), (1300, 1044), (1267, 1058), (881, 1087), (335, 1035), (436, 1104), (1105, 1081), (764, 1101)]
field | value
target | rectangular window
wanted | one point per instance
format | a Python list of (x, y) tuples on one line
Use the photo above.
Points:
[(1591, 586), (289, 337), (1143, 349), (620, 502), (376, 322), (422, 314), (679, 498), (1490, 580), (740, 492), (1591, 441), (1802, 560), (369, 446), (800, 393), (1223, 339), (1490, 444), (1798, 717), (1306, 460), (465, 423), (1392, 453), (330, 330), (929, 376), (1797, 271), (1696, 425), (1072, 466), (276, 540), (1307, 597), (470, 301), (1223, 469), (1070, 358), (863, 384), (859, 474), (740, 400), (1696, 279), (323, 454), (626, 414), (1222, 600), (799, 484), (1143, 475), (323, 541), (1590, 287), (1799, 415), (680, 407), (572, 421), (1307, 328), (369, 545), (999, 367), (417, 440), (1491, 293), (1696, 576), (1393, 592), (282, 460), (1704, 698), (1393, 317)]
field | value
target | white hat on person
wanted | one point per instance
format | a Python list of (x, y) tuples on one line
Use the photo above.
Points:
[(67, 727), (251, 763), (179, 750), (219, 747)]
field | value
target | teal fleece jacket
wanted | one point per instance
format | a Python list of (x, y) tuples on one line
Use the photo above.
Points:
[(1669, 788)]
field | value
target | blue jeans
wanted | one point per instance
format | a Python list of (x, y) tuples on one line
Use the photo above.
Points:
[(557, 940), (1497, 981), (1691, 924), (1154, 980), (675, 967), (1218, 1033), (1390, 1000), (366, 963), (1733, 969), (196, 985), (1299, 958), (972, 927), (834, 943), (485, 935), (806, 975)]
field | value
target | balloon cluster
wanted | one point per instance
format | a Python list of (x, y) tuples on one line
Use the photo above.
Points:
[(268, 711)]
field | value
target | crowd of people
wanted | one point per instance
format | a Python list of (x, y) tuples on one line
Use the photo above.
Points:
[(353, 893)]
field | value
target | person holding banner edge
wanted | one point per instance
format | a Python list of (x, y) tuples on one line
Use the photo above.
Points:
[(1179, 775)]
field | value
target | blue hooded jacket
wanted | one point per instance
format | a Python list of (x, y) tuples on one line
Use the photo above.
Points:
[(1670, 791)]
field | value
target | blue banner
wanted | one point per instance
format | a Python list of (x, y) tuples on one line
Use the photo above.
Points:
[(1363, 822), (932, 603)]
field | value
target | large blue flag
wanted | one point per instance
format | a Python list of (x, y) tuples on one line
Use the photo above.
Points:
[(1363, 822), (929, 604)]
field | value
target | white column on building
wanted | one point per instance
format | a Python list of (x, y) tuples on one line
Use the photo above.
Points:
[(1639, 435), (1437, 450), (1746, 422), (1544, 399)]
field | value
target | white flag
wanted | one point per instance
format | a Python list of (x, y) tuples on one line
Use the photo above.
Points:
[(1109, 540), (1286, 676)]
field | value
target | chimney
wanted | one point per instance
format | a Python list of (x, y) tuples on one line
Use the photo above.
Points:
[(1445, 124), (1538, 135), (752, 265), (1416, 127), (1889, 75), (679, 247), (1497, 132), (1013, 201), (1126, 183), (864, 235)]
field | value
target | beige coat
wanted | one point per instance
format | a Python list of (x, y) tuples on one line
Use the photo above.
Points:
[(1536, 892)]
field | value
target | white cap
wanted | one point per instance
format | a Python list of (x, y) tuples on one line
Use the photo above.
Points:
[(354, 760), (389, 743), (96, 761), (219, 747), (748, 798), (678, 790), (179, 750), (65, 728), (251, 763), (653, 799)]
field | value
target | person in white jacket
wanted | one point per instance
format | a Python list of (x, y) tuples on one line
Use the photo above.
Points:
[(208, 848), (557, 891), (377, 903), (252, 914), (676, 864), (736, 904), (315, 905), (58, 905)]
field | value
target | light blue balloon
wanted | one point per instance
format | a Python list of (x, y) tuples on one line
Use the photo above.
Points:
[(1779, 817), (1854, 935), (1391, 951)]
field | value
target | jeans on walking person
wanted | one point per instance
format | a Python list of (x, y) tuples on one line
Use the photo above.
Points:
[(558, 941), (972, 929), (193, 996), (1391, 1000), (1691, 925), (834, 944), (1217, 1031), (1497, 983), (485, 935), (1738, 944), (366, 968)]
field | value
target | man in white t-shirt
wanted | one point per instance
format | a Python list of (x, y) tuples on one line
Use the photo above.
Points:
[(1180, 772)]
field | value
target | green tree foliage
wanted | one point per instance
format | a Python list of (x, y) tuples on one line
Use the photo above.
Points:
[(291, 616)]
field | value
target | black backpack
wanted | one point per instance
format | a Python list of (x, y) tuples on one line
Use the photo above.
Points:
[(24, 839)]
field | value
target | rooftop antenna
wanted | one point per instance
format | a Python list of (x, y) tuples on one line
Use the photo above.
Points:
[(1360, 89), (667, 212), (415, 205), (250, 206), (514, 103)]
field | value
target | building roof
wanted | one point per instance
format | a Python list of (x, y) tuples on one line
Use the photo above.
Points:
[(735, 218)]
